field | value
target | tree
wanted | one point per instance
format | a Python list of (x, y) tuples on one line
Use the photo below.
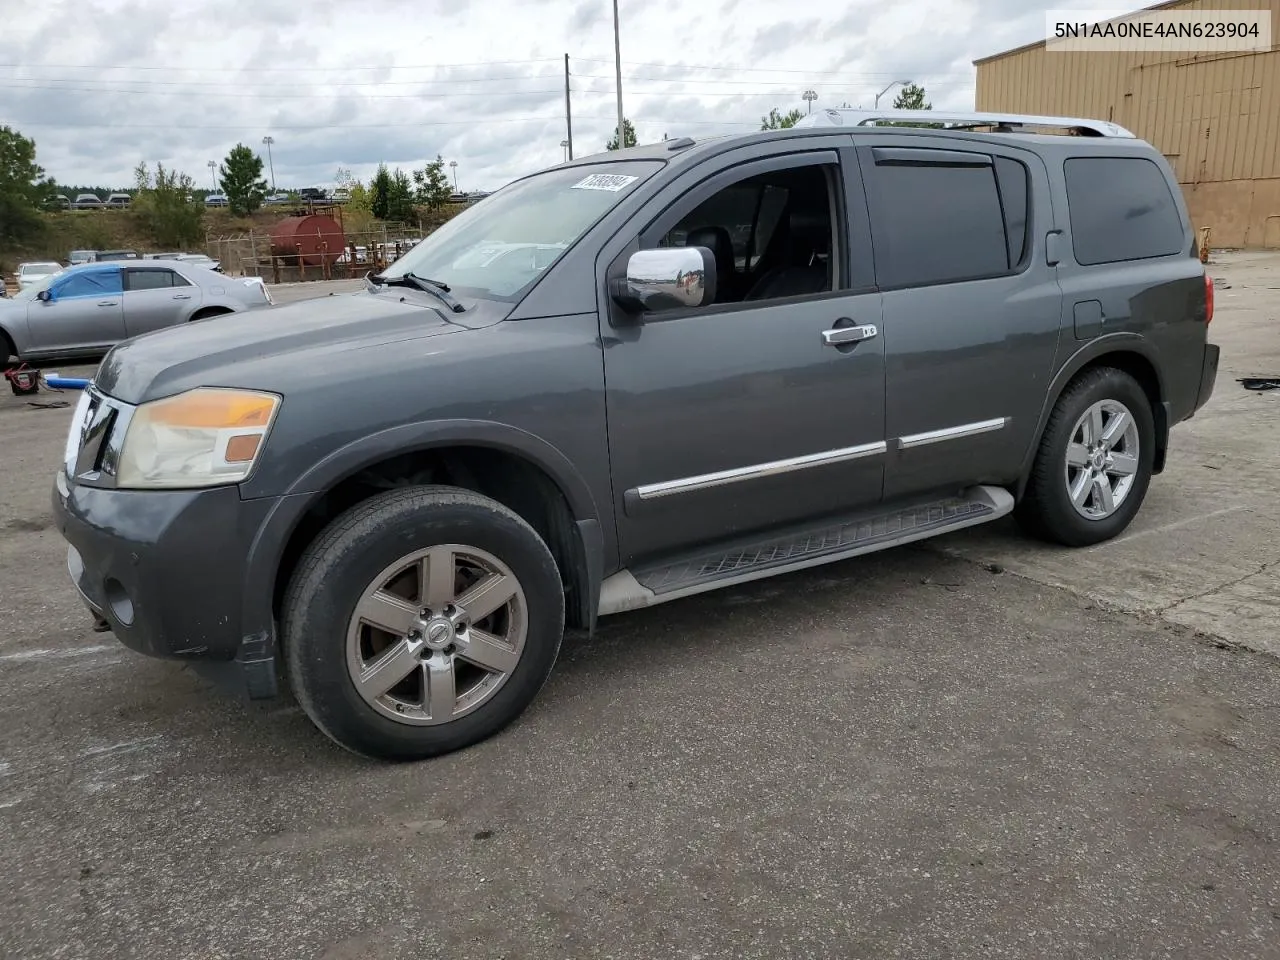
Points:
[(433, 190), (380, 192), (23, 188), (628, 135), (344, 179), (163, 205), (400, 198), (911, 97), (241, 180), (780, 121)]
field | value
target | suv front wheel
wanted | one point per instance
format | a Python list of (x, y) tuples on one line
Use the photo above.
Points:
[(1093, 467), (422, 621)]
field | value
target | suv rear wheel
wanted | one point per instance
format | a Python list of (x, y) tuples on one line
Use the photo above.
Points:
[(422, 621), (1093, 467)]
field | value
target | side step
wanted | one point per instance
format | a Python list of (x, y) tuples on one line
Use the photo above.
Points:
[(796, 550)]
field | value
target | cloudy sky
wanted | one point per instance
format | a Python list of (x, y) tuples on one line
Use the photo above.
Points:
[(102, 84)]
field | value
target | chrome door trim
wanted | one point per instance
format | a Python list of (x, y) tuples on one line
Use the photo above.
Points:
[(953, 433), (842, 335), (704, 481)]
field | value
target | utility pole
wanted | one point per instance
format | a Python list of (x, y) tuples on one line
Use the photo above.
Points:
[(453, 165), (617, 57), (568, 115), (271, 163), (809, 96)]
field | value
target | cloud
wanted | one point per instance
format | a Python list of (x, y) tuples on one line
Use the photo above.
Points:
[(479, 83)]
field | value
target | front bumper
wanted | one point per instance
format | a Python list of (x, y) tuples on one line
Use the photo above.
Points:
[(168, 570)]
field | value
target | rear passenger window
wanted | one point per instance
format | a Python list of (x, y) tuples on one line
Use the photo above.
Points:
[(1011, 177), (148, 279), (1121, 209), (940, 221)]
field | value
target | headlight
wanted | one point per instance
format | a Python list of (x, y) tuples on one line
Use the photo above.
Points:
[(200, 438)]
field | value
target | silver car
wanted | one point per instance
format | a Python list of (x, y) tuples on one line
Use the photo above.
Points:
[(87, 309), (30, 274)]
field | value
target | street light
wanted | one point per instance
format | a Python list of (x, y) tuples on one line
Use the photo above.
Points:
[(564, 145), (453, 165), (269, 141), (809, 97), (213, 165), (617, 57), (888, 88)]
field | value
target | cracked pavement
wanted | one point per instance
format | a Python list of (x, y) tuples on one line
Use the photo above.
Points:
[(973, 747)]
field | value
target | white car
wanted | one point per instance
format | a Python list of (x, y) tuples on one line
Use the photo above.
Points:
[(30, 274)]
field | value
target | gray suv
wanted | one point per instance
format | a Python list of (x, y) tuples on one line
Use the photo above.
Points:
[(631, 378)]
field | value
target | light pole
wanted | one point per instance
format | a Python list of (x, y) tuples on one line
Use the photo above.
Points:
[(564, 145), (888, 88), (617, 57), (810, 96), (271, 163), (213, 166), (453, 165)]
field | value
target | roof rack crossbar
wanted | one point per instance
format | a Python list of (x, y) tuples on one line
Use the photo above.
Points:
[(858, 118)]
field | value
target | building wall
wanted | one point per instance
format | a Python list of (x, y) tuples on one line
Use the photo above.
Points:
[(1215, 116)]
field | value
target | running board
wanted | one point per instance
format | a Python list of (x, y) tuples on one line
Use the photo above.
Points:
[(798, 550)]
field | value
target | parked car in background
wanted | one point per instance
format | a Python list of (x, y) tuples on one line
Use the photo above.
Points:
[(81, 256), (59, 201), (87, 201), (277, 199), (342, 195), (101, 256), (86, 309), (118, 200), (216, 200), (312, 195), (29, 274), (199, 260)]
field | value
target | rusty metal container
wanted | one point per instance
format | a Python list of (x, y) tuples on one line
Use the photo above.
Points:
[(308, 241)]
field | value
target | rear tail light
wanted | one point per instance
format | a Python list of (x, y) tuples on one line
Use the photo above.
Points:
[(1208, 299)]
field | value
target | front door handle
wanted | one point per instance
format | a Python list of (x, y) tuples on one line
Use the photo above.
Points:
[(843, 335), (106, 303)]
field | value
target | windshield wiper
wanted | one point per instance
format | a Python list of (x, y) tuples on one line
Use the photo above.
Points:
[(433, 287)]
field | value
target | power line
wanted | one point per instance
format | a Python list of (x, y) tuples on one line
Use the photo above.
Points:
[(222, 69)]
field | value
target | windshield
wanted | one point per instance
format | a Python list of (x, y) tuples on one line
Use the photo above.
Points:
[(505, 242)]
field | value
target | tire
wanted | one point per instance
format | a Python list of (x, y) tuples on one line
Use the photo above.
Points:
[(1047, 510), (432, 710), (7, 352)]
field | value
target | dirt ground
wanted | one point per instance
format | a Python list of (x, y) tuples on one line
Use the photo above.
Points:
[(975, 747)]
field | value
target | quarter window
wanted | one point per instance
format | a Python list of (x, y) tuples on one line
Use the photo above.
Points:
[(1121, 209)]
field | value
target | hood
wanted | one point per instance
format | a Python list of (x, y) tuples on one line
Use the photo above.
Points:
[(269, 348)]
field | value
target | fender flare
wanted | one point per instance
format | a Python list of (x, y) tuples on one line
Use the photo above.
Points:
[(1087, 353), (277, 528)]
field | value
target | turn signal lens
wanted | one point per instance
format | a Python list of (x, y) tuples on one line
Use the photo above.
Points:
[(1208, 299)]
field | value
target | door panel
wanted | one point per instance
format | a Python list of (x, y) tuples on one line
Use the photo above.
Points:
[(154, 297), (972, 311), (84, 313), (739, 416)]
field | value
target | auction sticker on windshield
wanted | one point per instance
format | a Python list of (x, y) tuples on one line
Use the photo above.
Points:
[(613, 182)]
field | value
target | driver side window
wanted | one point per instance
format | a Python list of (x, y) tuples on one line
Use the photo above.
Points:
[(96, 284), (771, 235)]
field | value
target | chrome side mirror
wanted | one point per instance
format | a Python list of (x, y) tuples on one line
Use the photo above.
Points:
[(667, 278)]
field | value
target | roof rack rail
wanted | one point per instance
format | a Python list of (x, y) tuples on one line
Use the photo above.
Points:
[(1011, 122)]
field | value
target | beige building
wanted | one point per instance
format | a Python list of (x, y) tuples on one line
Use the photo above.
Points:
[(1214, 115)]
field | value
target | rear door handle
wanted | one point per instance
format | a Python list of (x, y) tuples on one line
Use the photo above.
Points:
[(182, 296), (856, 334)]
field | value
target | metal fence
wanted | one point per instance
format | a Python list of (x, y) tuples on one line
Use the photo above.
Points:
[(252, 255)]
